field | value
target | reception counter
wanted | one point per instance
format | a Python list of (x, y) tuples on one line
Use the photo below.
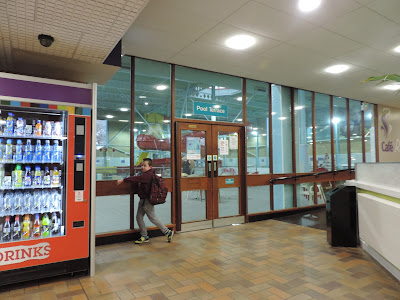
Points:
[(378, 197)]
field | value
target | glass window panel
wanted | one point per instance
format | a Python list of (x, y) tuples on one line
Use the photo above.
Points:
[(152, 129), (283, 196), (194, 205), (193, 153), (114, 211), (281, 129), (369, 129), (258, 199), (203, 95), (228, 202), (257, 110), (113, 124), (163, 212), (228, 157), (323, 132), (303, 131), (355, 132), (339, 122), (305, 194)]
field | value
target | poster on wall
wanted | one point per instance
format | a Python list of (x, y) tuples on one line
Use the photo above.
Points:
[(193, 148), (223, 147), (389, 133)]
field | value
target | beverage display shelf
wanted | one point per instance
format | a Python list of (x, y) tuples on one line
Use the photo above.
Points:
[(23, 162), (33, 238), (31, 187), (36, 137), (29, 212)]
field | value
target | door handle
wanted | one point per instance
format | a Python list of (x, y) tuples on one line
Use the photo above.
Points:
[(209, 169), (215, 169)]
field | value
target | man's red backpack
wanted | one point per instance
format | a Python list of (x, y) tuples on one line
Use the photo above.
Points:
[(159, 191)]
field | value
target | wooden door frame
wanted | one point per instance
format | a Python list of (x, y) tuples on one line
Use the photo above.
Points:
[(211, 203)]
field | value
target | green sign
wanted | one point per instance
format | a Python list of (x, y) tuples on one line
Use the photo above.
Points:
[(209, 109), (229, 181)]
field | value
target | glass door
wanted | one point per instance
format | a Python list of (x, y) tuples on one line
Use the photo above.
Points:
[(210, 173)]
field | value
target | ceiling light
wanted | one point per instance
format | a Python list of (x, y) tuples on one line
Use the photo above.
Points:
[(335, 120), (142, 97), (239, 120), (138, 122), (144, 130), (109, 116), (273, 113), (336, 69), (135, 130), (124, 121), (123, 109), (392, 87), (264, 134), (146, 103), (397, 49), (255, 128), (254, 132), (161, 87), (298, 107), (217, 106), (240, 42), (166, 121), (308, 5), (282, 118), (188, 115), (239, 98)]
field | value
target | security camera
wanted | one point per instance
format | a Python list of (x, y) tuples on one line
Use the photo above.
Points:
[(45, 40)]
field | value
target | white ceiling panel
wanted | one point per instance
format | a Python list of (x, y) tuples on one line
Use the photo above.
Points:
[(325, 42), (269, 22), (388, 8)]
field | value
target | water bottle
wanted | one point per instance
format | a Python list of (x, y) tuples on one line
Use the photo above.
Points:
[(46, 198), (7, 230), (7, 202), (2, 174), (18, 202), (56, 200), (56, 152), (37, 200), (46, 177), (9, 124), (47, 151), (1, 149), (38, 151), (19, 130), (18, 151), (9, 151), (28, 176), (37, 176), (27, 202), (16, 232), (55, 229), (28, 151), (56, 177)]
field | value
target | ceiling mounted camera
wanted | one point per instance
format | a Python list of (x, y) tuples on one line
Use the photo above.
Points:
[(45, 40)]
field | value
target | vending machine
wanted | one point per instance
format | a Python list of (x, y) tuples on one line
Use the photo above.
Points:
[(44, 193)]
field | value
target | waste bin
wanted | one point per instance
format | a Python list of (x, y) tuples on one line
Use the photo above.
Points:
[(341, 216)]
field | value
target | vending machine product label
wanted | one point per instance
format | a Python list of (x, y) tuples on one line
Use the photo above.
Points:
[(19, 254)]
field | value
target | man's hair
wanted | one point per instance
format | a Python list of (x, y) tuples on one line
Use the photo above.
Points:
[(149, 161)]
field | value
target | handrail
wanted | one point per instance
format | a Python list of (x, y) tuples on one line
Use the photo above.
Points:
[(295, 177)]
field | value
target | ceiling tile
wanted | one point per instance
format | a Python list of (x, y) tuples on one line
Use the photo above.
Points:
[(269, 22), (388, 8)]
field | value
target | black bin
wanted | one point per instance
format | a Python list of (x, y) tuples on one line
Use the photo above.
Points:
[(341, 217)]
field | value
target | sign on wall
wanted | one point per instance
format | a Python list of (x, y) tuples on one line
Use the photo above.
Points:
[(209, 109), (389, 133)]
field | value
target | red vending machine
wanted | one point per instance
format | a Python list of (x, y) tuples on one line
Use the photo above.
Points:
[(44, 193)]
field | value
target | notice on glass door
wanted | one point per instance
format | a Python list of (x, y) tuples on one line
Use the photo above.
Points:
[(223, 147), (193, 148), (233, 142)]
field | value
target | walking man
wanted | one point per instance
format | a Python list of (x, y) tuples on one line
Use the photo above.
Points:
[(144, 206)]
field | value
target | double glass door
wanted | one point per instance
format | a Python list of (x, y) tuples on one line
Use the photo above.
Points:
[(210, 175)]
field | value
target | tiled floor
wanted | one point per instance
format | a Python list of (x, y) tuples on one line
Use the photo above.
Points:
[(262, 260)]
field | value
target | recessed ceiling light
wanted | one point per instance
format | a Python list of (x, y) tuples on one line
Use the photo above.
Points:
[(188, 115), (273, 113), (135, 130), (217, 106), (282, 118), (308, 5), (166, 121), (239, 120), (335, 120), (161, 87), (397, 49), (392, 87), (254, 132), (337, 69), (124, 121), (123, 109), (240, 42), (239, 98), (139, 122), (144, 130), (142, 97), (264, 134), (146, 103), (255, 128), (298, 107), (109, 116)]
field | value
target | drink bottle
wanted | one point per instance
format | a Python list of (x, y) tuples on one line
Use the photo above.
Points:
[(56, 155), (1, 149), (56, 177), (54, 224), (9, 124), (19, 127), (27, 202), (26, 228), (57, 129), (46, 177), (45, 226), (46, 197), (36, 227), (7, 202), (16, 232), (9, 151), (7, 230), (56, 200), (18, 176), (37, 200), (2, 174), (17, 203), (38, 128), (18, 151), (38, 151), (28, 176), (47, 151), (38, 176), (28, 151)]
